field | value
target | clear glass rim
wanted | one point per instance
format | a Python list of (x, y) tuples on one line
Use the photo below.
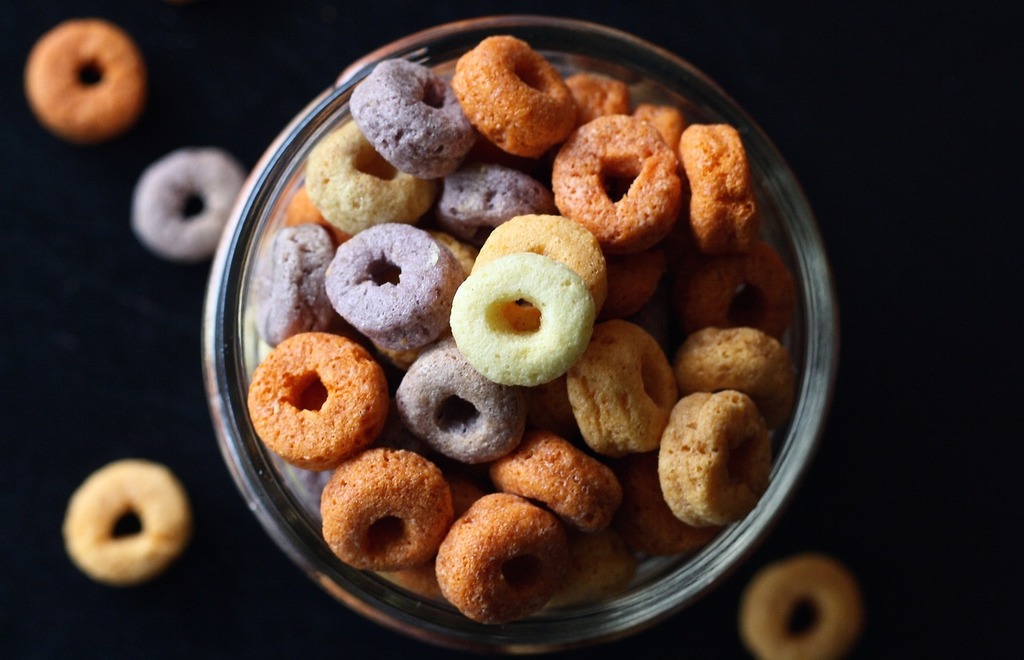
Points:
[(252, 469)]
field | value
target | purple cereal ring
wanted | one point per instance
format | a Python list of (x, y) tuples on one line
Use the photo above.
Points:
[(412, 118), (182, 201), (458, 412), (290, 293), (478, 197), (394, 283)]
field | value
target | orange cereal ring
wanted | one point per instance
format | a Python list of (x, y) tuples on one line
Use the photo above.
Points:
[(553, 236), (714, 459), (669, 121), (600, 565), (644, 519), (301, 210), (386, 510), (752, 290), (772, 601), (317, 399), (618, 178), (597, 95), (86, 81), (632, 281), (503, 559), (513, 96), (723, 211), (621, 390), (355, 188), (581, 490), (743, 359)]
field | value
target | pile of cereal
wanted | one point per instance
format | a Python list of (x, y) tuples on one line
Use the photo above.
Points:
[(529, 329)]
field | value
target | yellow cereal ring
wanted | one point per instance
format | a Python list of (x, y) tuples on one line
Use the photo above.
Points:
[(355, 188), (499, 351)]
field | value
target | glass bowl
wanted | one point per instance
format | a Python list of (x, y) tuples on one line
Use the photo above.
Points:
[(285, 500)]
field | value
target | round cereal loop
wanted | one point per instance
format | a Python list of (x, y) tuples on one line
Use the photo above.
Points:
[(181, 202), (394, 283), (771, 605), (355, 188), (644, 519), (455, 410), (478, 197), (600, 565), (621, 390), (464, 253), (511, 356), (743, 359), (632, 281), (513, 96), (301, 210), (316, 399), (411, 117), (714, 459), (667, 119), (597, 95), (503, 559), (289, 286), (723, 211), (579, 489), (125, 489), (618, 178), (86, 81), (386, 510), (747, 290), (553, 236)]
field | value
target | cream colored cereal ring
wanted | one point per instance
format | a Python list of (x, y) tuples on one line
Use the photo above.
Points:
[(490, 342), (778, 590), (621, 390), (355, 188), (715, 458), (601, 564), (151, 493)]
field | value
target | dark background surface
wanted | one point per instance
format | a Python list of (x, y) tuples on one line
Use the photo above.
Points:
[(897, 118)]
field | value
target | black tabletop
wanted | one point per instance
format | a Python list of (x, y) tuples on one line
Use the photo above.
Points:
[(895, 116)]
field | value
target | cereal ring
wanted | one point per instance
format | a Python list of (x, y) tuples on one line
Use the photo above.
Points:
[(317, 399), (301, 210), (723, 211), (618, 178), (411, 117), (385, 510), (579, 489), (513, 96), (182, 201), (597, 95), (751, 290), (289, 286), (458, 412), (355, 188), (490, 342), (394, 283), (122, 490), (600, 565), (503, 559), (553, 236), (621, 390), (714, 459), (632, 281), (770, 608), (478, 197), (85, 81), (743, 359), (464, 253), (644, 519), (668, 120)]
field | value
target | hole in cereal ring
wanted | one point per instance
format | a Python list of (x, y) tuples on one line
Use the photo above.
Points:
[(521, 571), (433, 94), (456, 414), (384, 533), (90, 74), (193, 206), (371, 163), (521, 316), (615, 185), (747, 306), (312, 396), (128, 524), (802, 618), (528, 74), (383, 272)]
